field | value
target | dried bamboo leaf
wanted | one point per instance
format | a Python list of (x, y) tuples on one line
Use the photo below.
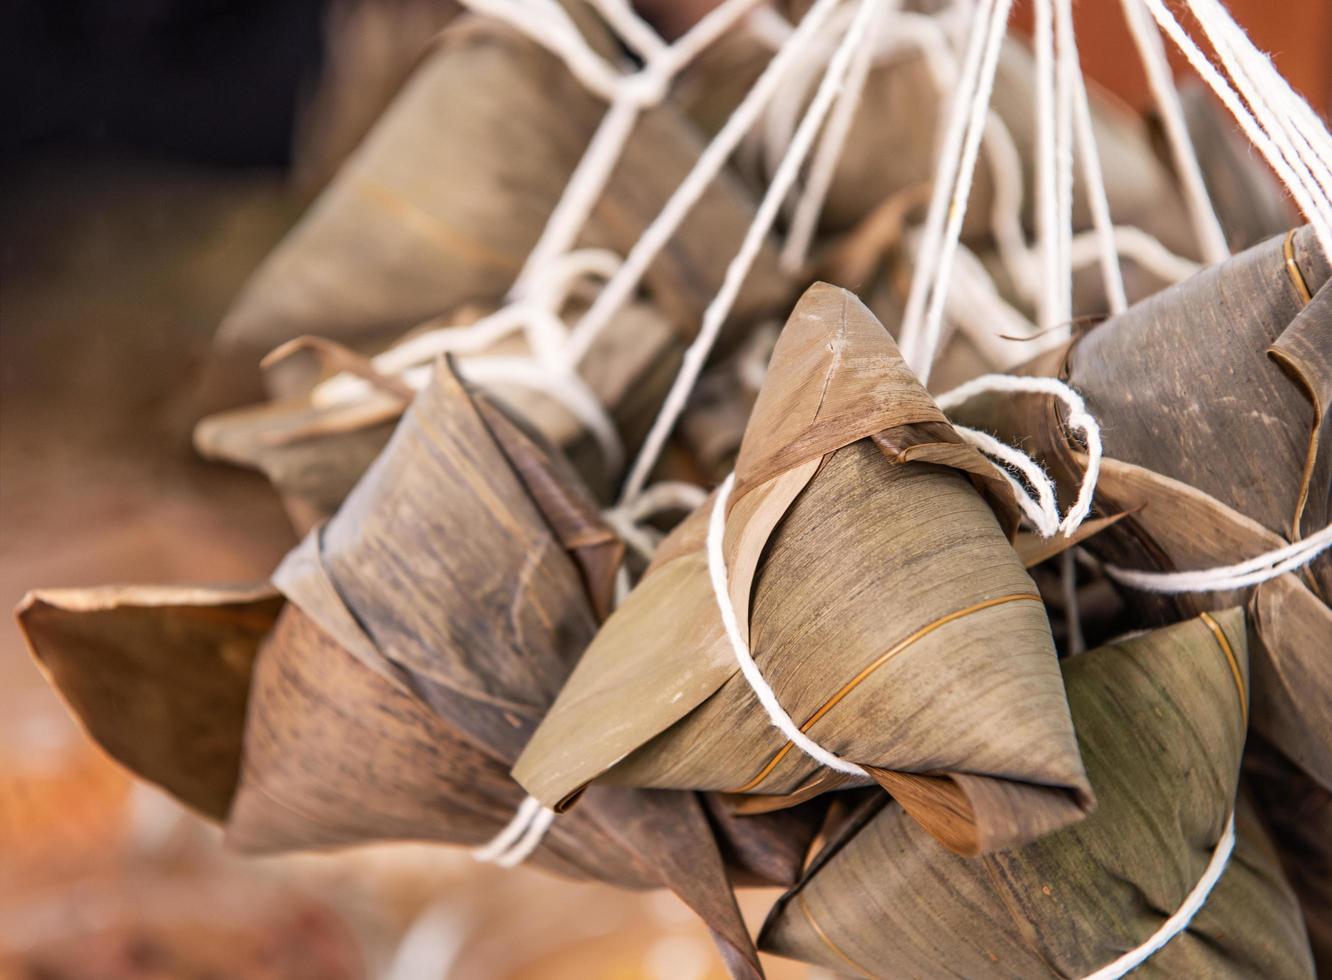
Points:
[(1236, 365), (838, 539), (1160, 718), (158, 676), (1298, 814), (439, 206)]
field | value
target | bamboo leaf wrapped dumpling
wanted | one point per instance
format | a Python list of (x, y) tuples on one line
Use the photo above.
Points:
[(443, 201), (1161, 722), (424, 630), (314, 452), (1213, 399), (883, 602)]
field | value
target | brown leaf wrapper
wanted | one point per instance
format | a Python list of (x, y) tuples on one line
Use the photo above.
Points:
[(440, 206), (370, 49), (426, 628), (1161, 722), (885, 607), (157, 675), (1212, 398), (1298, 814), (314, 454)]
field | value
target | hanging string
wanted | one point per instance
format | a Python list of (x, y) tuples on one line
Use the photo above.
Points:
[(1048, 309), (806, 216), (1269, 95), (920, 339), (715, 314), (1089, 156), (1280, 158), (1041, 509), (686, 195), (629, 95), (1206, 227)]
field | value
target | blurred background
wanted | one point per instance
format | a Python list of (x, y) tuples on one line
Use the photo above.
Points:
[(153, 151)]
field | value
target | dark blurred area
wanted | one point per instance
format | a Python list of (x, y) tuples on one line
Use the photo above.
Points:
[(206, 81)]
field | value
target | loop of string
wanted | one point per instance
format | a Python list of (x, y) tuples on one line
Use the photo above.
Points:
[(1040, 509), (628, 520)]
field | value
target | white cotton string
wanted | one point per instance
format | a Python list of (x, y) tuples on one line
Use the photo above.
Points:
[(806, 217), (1178, 922), (629, 95), (946, 161), (1079, 419), (1041, 510), (715, 314), (1316, 210), (547, 370), (1268, 93), (1047, 186), (921, 340), (1228, 577), (1273, 103), (548, 24), (668, 495), (721, 593), (581, 193), (545, 332), (1206, 227), (1112, 276), (512, 845), (686, 195), (1066, 68), (632, 29), (987, 319), (1134, 243)]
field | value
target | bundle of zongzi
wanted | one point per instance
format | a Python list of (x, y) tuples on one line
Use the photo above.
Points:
[(390, 679), (1161, 721), (881, 599)]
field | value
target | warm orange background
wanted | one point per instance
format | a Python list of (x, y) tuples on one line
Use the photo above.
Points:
[(1297, 33)]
